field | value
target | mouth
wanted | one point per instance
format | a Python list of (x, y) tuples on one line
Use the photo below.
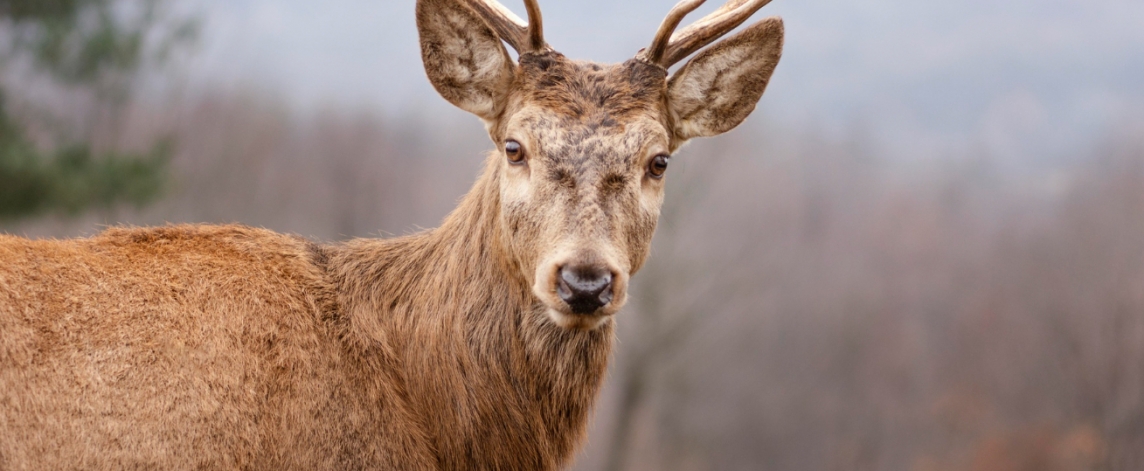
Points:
[(573, 321), (578, 316)]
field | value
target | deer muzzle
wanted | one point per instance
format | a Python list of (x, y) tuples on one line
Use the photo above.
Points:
[(586, 288)]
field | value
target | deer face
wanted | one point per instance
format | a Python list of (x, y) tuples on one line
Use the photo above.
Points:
[(583, 148)]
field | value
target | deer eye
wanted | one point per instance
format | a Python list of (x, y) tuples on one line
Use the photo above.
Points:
[(658, 166), (514, 152)]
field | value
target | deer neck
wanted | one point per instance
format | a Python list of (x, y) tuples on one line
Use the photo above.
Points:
[(467, 340)]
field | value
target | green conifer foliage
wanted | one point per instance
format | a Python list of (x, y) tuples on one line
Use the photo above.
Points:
[(99, 47)]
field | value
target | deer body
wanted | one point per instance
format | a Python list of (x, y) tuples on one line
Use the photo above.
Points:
[(478, 345), (236, 348)]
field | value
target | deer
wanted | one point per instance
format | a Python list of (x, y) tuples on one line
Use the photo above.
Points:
[(481, 344)]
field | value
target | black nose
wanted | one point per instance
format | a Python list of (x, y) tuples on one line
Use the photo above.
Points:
[(584, 288)]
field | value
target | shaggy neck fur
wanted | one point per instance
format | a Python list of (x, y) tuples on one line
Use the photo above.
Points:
[(447, 316)]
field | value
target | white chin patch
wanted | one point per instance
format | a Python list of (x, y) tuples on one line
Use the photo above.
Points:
[(577, 322)]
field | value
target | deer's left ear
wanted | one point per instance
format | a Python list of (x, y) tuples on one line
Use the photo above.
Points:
[(718, 88), (464, 58)]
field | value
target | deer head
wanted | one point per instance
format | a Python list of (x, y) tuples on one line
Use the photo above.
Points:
[(582, 148)]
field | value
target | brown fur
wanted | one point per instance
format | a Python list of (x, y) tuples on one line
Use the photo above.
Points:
[(235, 348), (205, 347)]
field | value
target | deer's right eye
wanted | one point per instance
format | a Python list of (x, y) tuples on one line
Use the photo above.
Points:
[(514, 152)]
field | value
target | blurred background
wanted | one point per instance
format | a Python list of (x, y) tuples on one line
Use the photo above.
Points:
[(924, 251)]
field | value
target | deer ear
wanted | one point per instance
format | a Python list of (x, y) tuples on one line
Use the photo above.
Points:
[(717, 89), (464, 58)]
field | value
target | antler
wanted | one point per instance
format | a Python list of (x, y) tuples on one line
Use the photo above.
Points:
[(524, 37), (667, 48)]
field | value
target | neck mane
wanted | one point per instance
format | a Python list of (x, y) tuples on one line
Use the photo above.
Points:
[(448, 319)]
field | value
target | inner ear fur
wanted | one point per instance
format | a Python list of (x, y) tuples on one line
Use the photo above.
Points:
[(464, 59), (719, 88)]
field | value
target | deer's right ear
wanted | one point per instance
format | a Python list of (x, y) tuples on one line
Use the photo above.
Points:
[(464, 58)]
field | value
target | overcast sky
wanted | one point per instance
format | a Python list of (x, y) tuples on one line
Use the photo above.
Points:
[(1021, 78)]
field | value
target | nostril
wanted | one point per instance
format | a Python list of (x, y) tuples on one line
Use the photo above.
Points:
[(584, 288), (586, 280)]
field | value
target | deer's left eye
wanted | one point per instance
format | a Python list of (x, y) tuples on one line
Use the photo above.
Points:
[(658, 166)]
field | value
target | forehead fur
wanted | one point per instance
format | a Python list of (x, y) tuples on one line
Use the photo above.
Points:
[(586, 90)]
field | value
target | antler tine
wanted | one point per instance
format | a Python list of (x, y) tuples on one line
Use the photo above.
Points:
[(524, 37), (663, 35), (535, 25), (708, 29)]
